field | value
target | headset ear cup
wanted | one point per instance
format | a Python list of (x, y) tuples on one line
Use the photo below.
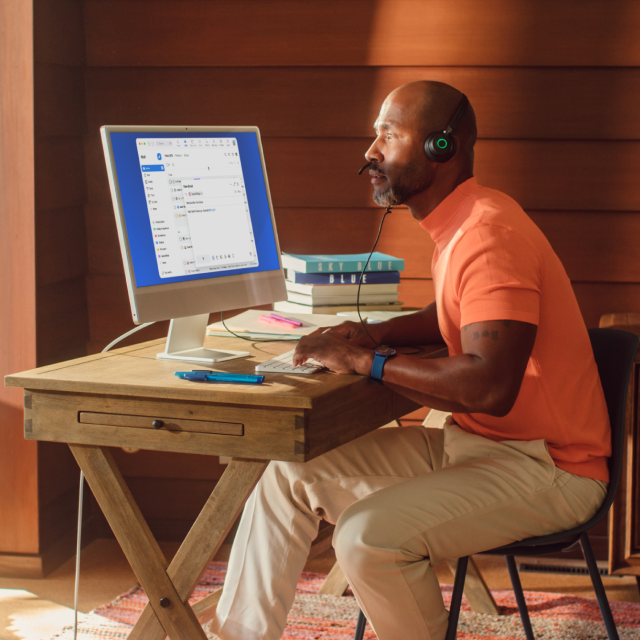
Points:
[(440, 147)]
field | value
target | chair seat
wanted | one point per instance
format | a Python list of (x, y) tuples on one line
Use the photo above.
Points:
[(517, 549)]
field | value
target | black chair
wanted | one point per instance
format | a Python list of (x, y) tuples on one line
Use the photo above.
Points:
[(614, 353)]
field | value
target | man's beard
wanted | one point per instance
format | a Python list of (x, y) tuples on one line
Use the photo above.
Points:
[(408, 184)]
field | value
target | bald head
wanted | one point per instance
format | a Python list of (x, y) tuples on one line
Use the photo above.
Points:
[(400, 170), (431, 105)]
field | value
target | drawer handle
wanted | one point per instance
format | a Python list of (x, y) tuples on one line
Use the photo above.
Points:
[(157, 424)]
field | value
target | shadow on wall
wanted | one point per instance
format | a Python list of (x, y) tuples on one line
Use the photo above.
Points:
[(553, 88), (296, 70)]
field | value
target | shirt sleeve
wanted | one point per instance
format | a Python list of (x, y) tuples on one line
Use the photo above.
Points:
[(498, 274)]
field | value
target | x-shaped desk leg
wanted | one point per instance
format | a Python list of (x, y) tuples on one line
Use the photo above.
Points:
[(168, 587)]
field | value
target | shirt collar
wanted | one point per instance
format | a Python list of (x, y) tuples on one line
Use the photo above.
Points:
[(443, 222)]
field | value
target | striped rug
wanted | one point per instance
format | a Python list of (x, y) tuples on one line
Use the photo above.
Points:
[(554, 616)]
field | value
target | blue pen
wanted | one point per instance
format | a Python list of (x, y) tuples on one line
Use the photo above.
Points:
[(213, 376)]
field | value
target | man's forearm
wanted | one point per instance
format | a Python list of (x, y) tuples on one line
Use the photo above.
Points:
[(459, 384), (485, 378), (417, 328)]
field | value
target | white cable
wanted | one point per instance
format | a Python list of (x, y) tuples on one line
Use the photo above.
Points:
[(78, 545), (81, 492), (126, 335)]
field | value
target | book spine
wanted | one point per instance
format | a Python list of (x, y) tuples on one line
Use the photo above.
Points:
[(341, 266), (375, 277), (293, 307)]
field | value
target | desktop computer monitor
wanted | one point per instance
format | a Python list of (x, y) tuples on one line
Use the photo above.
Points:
[(196, 227)]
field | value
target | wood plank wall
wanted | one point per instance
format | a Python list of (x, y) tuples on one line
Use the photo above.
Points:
[(60, 184), (47, 268), (553, 85), (43, 252)]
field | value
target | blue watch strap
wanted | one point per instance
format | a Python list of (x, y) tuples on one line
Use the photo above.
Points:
[(377, 367)]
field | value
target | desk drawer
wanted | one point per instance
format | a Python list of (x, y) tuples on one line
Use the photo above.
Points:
[(203, 428), (157, 423)]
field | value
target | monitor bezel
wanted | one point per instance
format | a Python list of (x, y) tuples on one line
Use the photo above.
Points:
[(152, 303)]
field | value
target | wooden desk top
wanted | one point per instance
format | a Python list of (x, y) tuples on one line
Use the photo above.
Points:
[(114, 398), (135, 371)]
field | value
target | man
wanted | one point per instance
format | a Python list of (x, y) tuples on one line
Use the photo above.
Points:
[(523, 451)]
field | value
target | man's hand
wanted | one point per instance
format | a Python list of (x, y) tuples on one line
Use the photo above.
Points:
[(356, 333), (334, 351)]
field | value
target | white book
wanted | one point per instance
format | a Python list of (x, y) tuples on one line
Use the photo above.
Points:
[(322, 291), (293, 307), (365, 298)]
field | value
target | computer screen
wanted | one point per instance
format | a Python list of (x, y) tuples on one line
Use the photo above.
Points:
[(195, 219), (195, 205)]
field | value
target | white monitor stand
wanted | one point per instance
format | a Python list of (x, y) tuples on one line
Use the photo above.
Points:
[(184, 343)]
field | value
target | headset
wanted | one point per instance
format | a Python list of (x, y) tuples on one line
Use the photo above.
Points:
[(441, 146)]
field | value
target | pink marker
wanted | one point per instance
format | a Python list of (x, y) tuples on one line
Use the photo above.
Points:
[(295, 323), (282, 323)]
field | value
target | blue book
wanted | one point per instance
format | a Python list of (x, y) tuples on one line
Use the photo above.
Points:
[(370, 277), (348, 263)]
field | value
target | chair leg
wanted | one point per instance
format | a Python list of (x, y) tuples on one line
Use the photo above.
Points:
[(362, 623), (456, 598), (598, 587), (522, 605)]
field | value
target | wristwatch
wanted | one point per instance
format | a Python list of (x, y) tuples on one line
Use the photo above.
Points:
[(380, 356)]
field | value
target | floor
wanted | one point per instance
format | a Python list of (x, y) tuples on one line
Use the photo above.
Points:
[(37, 609)]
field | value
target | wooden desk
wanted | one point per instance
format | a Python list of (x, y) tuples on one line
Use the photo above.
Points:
[(127, 397)]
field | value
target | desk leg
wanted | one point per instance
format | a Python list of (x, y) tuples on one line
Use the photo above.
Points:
[(172, 615), (203, 541), (476, 589), (336, 582)]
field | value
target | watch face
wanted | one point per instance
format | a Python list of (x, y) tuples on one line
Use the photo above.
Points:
[(383, 350)]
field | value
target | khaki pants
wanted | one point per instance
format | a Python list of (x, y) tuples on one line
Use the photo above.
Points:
[(403, 499)]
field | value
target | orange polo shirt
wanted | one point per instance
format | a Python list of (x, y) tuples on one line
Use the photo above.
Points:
[(491, 262)]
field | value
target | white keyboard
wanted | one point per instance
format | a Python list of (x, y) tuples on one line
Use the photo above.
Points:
[(284, 364)]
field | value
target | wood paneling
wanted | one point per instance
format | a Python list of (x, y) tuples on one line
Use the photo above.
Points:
[(382, 32), (597, 246), (109, 310), (540, 175), (62, 320), (554, 87), (60, 185), (58, 32), (170, 498), (43, 258), (598, 298), (59, 107), (147, 464), (18, 479), (60, 172), (574, 103), (60, 245)]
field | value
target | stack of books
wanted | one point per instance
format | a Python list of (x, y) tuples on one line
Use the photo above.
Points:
[(329, 283)]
